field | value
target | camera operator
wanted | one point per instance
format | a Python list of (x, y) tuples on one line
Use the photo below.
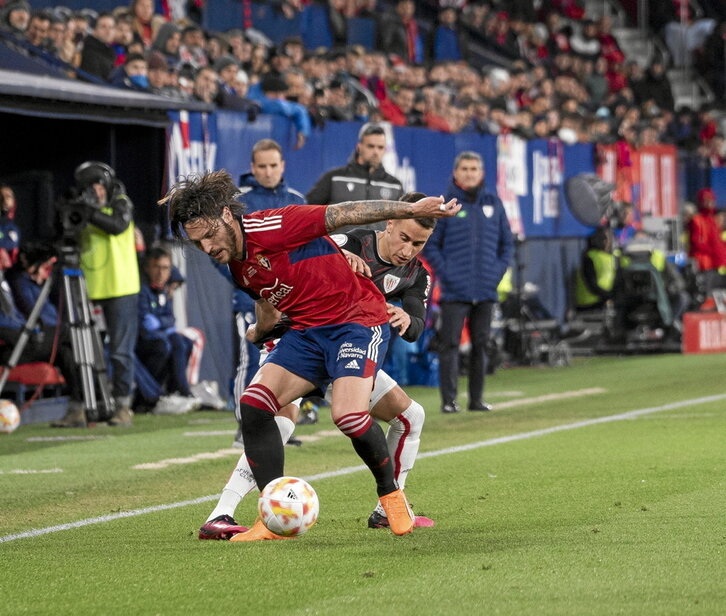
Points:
[(108, 261)]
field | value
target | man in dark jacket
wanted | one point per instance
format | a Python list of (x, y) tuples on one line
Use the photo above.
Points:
[(98, 56), (363, 178), (469, 254)]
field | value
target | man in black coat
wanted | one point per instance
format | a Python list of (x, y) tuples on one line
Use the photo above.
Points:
[(363, 178), (98, 57)]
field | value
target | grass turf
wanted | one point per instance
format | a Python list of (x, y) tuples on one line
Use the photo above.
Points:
[(617, 518)]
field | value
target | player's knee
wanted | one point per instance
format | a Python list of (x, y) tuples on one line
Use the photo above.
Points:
[(410, 422)]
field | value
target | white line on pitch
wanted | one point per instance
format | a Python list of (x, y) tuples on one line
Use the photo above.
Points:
[(37, 532)]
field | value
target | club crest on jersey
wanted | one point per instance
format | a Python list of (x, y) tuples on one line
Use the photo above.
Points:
[(390, 282), (488, 210), (350, 186), (264, 262)]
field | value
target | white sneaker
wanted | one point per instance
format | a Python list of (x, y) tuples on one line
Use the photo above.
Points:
[(174, 404), (207, 393)]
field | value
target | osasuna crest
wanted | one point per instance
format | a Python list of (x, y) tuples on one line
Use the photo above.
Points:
[(488, 210), (264, 262), (390, 282)]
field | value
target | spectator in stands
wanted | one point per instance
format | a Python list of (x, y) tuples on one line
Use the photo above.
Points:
[(363, 178), (193, 47), (16, 16), (39, 29), (60, 38), (595, 278), (205, 85), (9, 231), (228, 96), (35, 268), (338, 20), (98, 56), (168, 42), (160, 77), (400, 111), (110, 266), (125, 41), (399, 34), (160, 347), (145, 23), (447, 40), (270, 95), (133, 75), (704, 239), (659, 87), (585, 42), (468, 271), (714, 52)]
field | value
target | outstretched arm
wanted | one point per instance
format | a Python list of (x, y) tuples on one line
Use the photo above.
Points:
[(365, 212)]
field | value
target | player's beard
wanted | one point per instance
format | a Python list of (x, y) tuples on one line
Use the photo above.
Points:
[(228, 248)]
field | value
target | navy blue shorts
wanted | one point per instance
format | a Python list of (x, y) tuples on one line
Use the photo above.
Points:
[(322, 354)]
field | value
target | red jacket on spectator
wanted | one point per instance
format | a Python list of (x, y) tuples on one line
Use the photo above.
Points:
[(610, 50), (392, 113), (617, 79), (705, 243)]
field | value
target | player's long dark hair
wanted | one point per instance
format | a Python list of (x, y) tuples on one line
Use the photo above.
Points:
[(201, 196)]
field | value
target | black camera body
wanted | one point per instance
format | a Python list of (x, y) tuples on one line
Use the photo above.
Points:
[(75, 210)]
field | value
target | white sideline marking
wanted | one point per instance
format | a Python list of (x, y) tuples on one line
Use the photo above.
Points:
[(550, 397), (37, 532), (207, 455), (78, 437), (211, 433), (30, 471)]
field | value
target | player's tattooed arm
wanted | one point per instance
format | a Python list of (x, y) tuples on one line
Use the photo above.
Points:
[(365, 212), (266, 316)]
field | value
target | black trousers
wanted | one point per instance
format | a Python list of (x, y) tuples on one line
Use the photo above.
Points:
[(453, 315)]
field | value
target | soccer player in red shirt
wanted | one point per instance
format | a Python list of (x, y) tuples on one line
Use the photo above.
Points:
[(339, 334)]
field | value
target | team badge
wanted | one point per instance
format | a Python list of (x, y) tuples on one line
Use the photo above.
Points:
[(264, 262), (488, 210), (390, 282), (350, 186)]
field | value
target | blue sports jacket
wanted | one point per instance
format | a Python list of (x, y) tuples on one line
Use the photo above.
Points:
[(470, 252), (256, 197)]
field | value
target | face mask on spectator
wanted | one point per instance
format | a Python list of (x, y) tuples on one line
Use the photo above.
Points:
[(142, 81)]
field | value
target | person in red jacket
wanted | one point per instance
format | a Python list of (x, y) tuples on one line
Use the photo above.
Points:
[(706, 247)]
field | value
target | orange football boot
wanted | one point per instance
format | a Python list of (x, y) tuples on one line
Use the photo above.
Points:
[(400, 518), (258, 532)]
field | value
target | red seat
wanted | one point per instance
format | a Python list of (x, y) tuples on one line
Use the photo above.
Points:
[(33, 374)]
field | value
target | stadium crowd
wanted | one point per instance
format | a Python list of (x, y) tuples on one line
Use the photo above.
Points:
[(568, 77)]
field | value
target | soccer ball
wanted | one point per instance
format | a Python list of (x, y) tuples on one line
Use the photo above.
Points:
[(288, 506), (9, 417)]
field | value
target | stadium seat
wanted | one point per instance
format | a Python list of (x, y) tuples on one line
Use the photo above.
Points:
[(33, 374)]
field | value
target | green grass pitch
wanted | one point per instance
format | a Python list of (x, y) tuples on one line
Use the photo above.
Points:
[(568, 504)]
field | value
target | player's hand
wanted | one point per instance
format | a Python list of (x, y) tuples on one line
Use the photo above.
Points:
[(251, 334), (358, 265), (398, 317), (436, 207)]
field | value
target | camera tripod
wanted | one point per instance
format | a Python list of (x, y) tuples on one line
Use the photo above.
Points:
[(85, 337)]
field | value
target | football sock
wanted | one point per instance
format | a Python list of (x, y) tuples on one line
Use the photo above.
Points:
[(242, 482), (403, 438), (370, 444), (263, 446)]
